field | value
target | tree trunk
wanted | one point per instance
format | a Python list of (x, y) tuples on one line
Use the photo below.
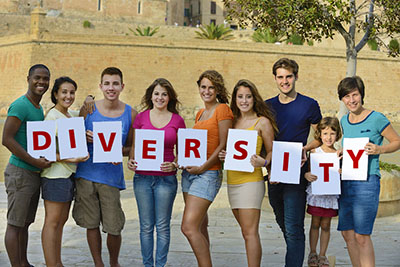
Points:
[(351, 71)]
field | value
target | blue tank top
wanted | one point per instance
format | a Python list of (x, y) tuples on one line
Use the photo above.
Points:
[(105, 173)]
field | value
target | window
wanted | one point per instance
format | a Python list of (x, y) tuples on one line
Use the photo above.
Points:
[(199, 8), (213, 21), (139, 7), (99, 5), (213, 7), (187, 12)]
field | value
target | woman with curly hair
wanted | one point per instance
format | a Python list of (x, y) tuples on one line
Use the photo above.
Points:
[(200, 184), (246, 190)]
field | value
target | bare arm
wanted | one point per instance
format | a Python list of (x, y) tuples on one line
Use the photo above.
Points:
[(394, 143), (267, 134), (10, 129), (223, 127), (129, 140), (314, 143), (131, 160)]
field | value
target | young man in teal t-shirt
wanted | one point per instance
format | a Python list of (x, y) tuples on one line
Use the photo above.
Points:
[(22, 174)]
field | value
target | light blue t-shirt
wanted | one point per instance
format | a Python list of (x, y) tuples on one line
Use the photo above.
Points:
[(372, 127)]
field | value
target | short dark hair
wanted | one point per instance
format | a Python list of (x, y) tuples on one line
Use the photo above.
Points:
[(111, 71), (57, 83), (173, 102), (285, 63), (350, 84), (37, 66)]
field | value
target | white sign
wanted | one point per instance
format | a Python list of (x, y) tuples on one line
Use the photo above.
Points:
[(241, 145), (192, 147), (149, 149), (355, 159), (41, 139), (71, 138), (326, 167), (107, 141), (286, 162)]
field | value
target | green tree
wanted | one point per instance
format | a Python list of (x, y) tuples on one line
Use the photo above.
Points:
[(146, 31), (212, 32), (318, 19)]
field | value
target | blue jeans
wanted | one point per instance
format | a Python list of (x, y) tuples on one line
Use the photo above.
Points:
[(155, 197), (288, 202)]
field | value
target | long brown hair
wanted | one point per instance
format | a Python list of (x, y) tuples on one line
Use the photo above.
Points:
[(218, 81), (173, 102), (260, 107)]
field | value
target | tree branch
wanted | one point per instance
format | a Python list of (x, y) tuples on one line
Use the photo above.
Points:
[(370, 21)]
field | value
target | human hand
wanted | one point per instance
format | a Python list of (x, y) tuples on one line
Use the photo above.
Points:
[(169, 166), (303, 156), (310, 177), (372, 149), (88, 104), (222, 155), (194, 169), (257, 161), (42, 163), (89, 136), (132, 164)]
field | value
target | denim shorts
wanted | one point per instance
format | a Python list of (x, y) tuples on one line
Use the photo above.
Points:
[(58, 189), (205, 185), (358, 205)]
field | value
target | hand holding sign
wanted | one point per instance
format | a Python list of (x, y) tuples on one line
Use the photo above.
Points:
[(241, 146), (192, 147), (149, 149), (41, 136), (286, 162), (355, 160), (326, 167)]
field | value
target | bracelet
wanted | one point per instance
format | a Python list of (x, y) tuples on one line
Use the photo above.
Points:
[(265, 163)]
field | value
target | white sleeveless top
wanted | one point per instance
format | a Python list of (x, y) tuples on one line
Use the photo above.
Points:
[(322, 201)]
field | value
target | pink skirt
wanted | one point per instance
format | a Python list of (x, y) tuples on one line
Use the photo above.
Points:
[(322, 212)]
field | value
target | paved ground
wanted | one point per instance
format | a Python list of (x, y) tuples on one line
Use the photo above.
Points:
[(226, 242)]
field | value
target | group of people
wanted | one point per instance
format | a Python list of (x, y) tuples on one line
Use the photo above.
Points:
[(95, 187)]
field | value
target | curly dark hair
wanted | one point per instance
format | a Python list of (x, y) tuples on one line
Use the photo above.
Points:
[(261, 108), (173, 103), (218, 81)]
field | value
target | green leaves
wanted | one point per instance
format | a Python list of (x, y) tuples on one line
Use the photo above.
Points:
[(212, 32), (146, 31), (318, 19), (267, 36)]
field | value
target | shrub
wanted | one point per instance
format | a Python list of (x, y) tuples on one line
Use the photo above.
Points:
[(213, 32)]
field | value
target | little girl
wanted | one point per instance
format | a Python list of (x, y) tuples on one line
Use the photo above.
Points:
[(322, 207)]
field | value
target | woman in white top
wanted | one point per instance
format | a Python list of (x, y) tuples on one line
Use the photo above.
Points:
[(57, 181)]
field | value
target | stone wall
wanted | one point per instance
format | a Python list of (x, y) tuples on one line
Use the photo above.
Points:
[(143, 59)]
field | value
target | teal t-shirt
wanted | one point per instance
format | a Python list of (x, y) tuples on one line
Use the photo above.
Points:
[(25, 111), (372, 127)]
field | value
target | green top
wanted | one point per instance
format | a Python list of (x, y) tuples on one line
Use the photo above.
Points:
[(25, 111)]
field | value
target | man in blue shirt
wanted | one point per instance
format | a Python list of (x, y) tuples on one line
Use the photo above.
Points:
[(294, 114)]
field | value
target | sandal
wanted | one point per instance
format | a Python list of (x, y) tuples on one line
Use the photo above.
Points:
[(312, 259), (323, 261)]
